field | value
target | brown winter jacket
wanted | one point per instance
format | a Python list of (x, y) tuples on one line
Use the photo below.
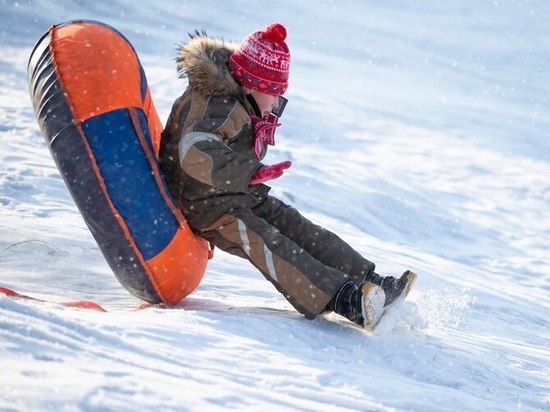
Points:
[(207, 146)]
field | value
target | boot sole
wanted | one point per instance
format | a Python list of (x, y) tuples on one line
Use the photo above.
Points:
[(411, 276), (372, 305)]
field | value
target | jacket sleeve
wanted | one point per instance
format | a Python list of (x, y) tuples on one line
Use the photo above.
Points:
[(206, 158)]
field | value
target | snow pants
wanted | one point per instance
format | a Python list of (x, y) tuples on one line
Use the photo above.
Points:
[(305, 262)]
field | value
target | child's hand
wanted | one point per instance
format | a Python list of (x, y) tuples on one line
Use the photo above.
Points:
[(265, 173)]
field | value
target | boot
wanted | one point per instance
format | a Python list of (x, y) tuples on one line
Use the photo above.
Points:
[(365, 304), (393, 288), (362, 305)]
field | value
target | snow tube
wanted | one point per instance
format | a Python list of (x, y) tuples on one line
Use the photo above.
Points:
[(94, 107)]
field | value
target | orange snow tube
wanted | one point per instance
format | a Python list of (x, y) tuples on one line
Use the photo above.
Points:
[(95, 110)]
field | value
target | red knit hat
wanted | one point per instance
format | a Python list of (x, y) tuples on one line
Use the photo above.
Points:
[(262, 61)]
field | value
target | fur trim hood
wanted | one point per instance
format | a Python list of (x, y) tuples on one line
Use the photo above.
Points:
[(203, 60)]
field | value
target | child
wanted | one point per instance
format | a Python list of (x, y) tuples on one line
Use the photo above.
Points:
[(211, 152)]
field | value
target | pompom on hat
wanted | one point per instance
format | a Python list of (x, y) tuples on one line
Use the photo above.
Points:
[(262, 61)]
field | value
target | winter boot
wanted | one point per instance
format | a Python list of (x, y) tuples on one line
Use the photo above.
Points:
[(362, 305), (366, 304), (393, 288)]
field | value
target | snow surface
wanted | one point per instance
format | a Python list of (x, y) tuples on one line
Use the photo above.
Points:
[(419, 132)]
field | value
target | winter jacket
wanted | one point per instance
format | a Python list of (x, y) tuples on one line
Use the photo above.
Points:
[(207, 147)]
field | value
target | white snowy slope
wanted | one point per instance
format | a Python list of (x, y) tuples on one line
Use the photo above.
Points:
[(419, 132)]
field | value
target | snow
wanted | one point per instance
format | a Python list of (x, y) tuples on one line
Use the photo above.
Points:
[(418, 131)]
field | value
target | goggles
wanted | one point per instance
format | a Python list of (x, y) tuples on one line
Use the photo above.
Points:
[(278, 111)]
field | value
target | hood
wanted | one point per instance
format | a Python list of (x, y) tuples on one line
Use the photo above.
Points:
[(203, 60)]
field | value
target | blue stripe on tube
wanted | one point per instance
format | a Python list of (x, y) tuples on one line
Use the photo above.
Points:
[(129, 180)]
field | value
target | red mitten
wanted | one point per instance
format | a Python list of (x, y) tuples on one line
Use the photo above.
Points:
[(265, 173)]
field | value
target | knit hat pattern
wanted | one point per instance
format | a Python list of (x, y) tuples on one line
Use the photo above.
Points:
[(262, 61)]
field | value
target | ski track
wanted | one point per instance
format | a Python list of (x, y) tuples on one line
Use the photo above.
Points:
[(423, 142)]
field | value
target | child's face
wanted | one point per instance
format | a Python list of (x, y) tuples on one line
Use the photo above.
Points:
[(266, 102)]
